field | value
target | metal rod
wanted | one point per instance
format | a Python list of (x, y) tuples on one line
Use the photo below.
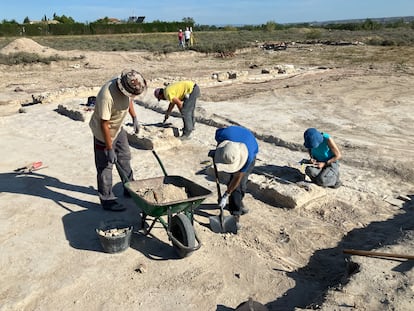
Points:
[(376, 254)]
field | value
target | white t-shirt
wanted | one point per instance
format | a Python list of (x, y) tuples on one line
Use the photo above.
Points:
[(187, 34)]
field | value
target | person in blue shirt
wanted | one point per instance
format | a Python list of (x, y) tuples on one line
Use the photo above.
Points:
[(235, 154), (324, 155)]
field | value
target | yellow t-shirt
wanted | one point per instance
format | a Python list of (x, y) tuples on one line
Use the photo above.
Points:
[(110, 105), (178, 89)]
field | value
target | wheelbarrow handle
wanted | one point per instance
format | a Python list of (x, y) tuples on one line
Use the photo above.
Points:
[(159, 161)]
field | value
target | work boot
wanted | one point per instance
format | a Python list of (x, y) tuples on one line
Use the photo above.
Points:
[(244, 210), (113, 206), (337, 185), (126, 193), (185, 136), (237, 218)]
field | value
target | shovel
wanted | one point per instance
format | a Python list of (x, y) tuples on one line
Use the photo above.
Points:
[(221, 223)]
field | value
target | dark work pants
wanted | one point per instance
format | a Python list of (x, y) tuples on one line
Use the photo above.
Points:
[(236, 197), (188, 111), (325, 177), (104, 168)]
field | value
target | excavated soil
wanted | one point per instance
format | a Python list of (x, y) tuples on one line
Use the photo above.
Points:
[(289, 254)]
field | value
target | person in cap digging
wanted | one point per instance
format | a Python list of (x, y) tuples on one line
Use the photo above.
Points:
[(113, 102), (235, 154), (324, 155), (182, 94)]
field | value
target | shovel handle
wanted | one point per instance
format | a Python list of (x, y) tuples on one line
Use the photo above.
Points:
[(218, 193), (217, 180), (376, 254)]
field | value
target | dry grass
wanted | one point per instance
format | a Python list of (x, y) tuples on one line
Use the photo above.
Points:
[(393, 46)]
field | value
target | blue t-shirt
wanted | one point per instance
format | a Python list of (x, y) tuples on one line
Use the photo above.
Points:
[(322, 153), (240, 135)]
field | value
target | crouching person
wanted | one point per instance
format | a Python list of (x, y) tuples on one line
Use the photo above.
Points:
[(235, 154), (324, 155)]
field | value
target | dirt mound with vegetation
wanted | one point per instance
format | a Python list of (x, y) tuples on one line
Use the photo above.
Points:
[(26, 45)]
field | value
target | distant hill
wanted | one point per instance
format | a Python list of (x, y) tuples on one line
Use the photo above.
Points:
[(382, 20)]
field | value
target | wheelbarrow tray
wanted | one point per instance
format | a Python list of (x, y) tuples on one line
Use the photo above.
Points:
[(196, 195)]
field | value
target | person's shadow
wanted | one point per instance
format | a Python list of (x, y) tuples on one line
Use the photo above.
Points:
[(80, 225)]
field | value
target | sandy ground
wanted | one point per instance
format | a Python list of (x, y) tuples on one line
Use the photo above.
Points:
[(284, 258)]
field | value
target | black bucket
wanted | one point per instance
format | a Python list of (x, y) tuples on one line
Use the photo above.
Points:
[(115, 237)]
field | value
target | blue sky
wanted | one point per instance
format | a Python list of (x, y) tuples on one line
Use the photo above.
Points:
[(209, 12)]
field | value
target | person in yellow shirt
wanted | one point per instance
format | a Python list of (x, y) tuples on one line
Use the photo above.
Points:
[(182, 94)]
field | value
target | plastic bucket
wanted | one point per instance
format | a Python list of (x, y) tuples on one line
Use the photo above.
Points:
[(115, 237)]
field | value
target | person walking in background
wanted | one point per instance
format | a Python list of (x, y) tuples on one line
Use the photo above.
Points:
[(113, 103), (182, 94), (236, 153), (187, 36), (181, 38), (324, 155)]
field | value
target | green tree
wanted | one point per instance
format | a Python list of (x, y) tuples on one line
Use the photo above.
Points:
[(63, 19), (26, 20), (189, 20), (104, 20), (12, 21), (270, 26)]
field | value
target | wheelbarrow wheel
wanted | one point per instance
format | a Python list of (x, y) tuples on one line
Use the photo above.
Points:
[(183, 231)]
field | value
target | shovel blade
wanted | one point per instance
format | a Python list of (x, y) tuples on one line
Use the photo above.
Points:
[(228, 225)]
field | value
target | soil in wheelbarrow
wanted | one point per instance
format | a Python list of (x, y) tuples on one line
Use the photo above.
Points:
[(163, 193)]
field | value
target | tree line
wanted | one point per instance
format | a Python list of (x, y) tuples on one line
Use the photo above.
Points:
[(66, 25)]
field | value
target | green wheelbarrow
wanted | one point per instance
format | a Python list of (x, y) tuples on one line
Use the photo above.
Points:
[(177, 216)]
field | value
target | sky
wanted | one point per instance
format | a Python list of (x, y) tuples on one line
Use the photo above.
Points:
[(208, 12)]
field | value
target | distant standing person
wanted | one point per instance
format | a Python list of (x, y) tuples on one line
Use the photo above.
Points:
[(191, 36), (182, 94), (187, 36), (181, 38), (324, 155), (113, 103)]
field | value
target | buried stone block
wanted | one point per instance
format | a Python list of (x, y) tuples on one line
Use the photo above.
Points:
[(279, 194), (276, 193), (155, 137), (76, 109)]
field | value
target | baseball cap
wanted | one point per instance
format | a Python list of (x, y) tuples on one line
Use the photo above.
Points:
[(313, 138)]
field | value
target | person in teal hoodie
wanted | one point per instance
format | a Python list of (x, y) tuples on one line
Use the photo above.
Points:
[(324, 155)]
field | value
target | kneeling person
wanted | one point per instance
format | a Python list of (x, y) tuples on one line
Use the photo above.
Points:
[(324, 155)]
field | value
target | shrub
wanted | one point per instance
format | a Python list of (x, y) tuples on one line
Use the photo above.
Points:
[(26, 58)]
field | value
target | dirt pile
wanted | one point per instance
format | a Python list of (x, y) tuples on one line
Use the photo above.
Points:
[(26, 45), (163, 194)]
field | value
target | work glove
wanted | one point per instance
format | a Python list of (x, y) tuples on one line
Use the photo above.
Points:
[(212, 153), (110, 155), (135, 124), (223, 200)]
